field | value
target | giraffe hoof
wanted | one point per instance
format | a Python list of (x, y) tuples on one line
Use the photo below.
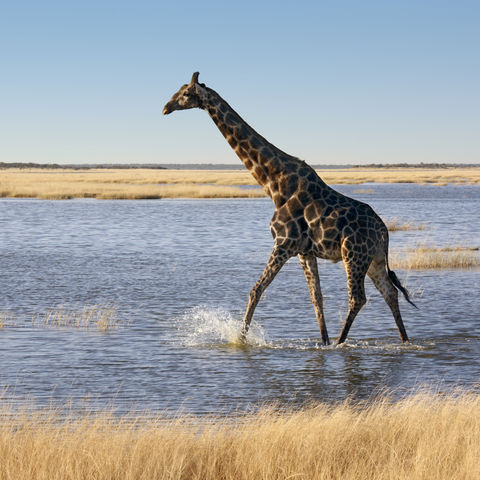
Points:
[(325, 341)]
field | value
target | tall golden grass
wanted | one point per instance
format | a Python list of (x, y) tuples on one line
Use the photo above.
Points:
[(110, 184), (423, 437), (152, 183), (425, 257)]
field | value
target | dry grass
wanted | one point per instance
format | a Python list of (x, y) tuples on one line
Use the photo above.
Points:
[(6, 319), (151, 183), (101, 317), (425, 257), (364, 191), (111, 184), (434, 176), (423, 437), (394, 225)]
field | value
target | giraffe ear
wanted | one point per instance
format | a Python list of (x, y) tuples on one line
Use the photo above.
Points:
[(194, 78)]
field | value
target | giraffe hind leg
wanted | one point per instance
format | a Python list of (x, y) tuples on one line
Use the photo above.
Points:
[(356, 295), (310, 268), (380, 278)]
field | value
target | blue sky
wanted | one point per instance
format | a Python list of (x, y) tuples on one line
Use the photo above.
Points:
[(330, 82)]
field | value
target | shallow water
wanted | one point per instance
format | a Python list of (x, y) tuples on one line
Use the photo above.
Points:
[(179, 273)]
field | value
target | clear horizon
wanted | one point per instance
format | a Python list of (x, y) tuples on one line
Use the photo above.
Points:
[(350, 83)]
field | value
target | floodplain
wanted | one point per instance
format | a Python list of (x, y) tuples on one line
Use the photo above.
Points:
[(119, 323)]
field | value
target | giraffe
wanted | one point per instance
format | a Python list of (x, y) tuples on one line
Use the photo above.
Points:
[(310, 219)]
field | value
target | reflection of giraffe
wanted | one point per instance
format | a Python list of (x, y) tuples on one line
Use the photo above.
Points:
[(310, 220)]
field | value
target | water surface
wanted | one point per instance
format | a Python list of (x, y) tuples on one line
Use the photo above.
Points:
[(179, 273)]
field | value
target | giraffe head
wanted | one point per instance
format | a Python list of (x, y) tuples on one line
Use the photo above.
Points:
[(189, 96)]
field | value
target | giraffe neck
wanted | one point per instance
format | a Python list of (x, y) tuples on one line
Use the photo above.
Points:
[(268, 164)]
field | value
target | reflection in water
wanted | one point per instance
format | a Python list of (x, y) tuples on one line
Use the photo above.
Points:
[(179, 273)]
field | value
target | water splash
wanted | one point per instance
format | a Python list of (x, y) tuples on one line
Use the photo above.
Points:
[(203, 325)]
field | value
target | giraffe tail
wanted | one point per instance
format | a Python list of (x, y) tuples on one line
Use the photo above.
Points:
[(393, 277)]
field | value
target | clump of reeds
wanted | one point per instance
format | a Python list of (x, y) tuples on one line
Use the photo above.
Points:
[(422, 437), (424, 257), (7, 319), (3, 319), (395, 225), (102, 317)]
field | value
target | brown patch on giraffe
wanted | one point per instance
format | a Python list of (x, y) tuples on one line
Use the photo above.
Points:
[(329, 222), (331, 234), (255, 143), (314, 189), (273, 184), (294, 206), (351, 215), (266, 152), (260, 175), (302, 224), (248, 163), (341, 223), (293, 230), (278, 199), (231, 119), (304, 171), (242, 133), (304, 198), (241, 152), (244, 145)]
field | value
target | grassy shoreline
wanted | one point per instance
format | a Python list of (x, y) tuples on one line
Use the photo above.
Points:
[(155, 184), (425, 436)]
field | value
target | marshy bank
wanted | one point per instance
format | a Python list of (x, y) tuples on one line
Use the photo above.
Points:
[(424, 436), (155, 183)]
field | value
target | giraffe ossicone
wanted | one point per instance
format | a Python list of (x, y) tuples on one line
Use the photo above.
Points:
[(310, 220)]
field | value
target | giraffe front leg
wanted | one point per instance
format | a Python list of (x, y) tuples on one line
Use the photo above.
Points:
[(310, 268), (275, 263)]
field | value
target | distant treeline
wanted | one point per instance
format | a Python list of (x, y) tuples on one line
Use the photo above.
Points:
[(215, 166), (417, 165), (4, 165)]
